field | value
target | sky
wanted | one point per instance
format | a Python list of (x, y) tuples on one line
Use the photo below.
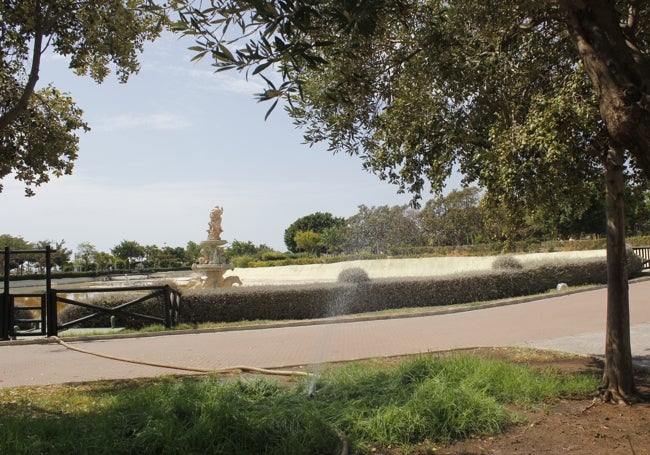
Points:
[(172, 143)]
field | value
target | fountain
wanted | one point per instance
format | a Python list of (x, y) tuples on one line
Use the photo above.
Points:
[(212, 262)]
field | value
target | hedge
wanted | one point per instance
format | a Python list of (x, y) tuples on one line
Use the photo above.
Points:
[(331, 299), (354, 293)]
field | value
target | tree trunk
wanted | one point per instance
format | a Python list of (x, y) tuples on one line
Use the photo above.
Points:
[(22, 104), (618, 378), (619, 71)]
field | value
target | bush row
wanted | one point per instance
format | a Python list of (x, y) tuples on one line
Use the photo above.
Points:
[(349, 297), (355, 293)]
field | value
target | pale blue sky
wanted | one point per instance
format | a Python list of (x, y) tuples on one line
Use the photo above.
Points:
[(173, 142)]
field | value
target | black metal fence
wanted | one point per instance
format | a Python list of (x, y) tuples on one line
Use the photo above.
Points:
[(23, 320)]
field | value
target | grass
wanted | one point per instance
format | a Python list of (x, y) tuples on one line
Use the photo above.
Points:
[(424, 400)]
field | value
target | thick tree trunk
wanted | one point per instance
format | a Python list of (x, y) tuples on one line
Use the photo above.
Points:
[(619, 71), (618, 378)]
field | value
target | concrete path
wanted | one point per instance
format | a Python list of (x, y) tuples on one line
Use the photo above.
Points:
[(572, 323)]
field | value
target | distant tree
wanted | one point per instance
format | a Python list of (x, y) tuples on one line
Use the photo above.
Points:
[(316, 222), (309, 241), (60, 254), (454, 219), (382, 229), (103, 261), (172, 256), (37, 126), (264, 248), (14, 243), (238, 248), (192, 252), (152, 254), (85, 255), (637, 204), (334, 239), (128, 251)]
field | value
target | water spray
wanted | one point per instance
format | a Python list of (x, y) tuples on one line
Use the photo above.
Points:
[(311, 392)]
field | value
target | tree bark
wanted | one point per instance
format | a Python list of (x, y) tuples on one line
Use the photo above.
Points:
[(23, 103), (618, 376), (619, 71)]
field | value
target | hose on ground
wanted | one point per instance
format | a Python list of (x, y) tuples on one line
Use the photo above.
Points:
[(242, 368)]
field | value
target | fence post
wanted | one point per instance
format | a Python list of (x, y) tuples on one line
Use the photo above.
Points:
[(168, 306), (43, 314), (176, 306), (52, 320), (5, 310)]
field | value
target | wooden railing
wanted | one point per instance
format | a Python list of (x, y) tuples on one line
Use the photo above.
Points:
[(43, 319), (168, 316), (14, 323), (7, 300), (22, 320)]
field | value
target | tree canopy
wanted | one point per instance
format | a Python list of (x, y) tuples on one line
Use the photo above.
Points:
[(317, 222), (531, 99), (383, 229), (128, 251), (419, 90), (38, 125), (485, 54)]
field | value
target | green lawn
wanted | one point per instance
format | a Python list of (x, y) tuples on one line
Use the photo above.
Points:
[(424, 400)]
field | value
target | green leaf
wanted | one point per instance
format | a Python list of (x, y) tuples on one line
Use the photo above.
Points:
[(268, 113), (198, 56), (261, 67), (226, 53)]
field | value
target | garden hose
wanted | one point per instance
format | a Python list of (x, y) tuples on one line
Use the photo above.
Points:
[(242, 368)]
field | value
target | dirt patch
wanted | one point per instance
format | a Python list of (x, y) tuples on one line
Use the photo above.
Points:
[(568, 426), (576, 427)]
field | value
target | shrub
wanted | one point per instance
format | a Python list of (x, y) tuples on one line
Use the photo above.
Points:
[(634, 262), (241, 261), (353, 275), (273, 256), (507, 262)]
